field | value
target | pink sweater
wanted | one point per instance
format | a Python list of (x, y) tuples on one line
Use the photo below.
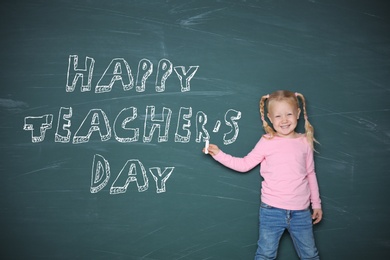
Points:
[(287, 167)]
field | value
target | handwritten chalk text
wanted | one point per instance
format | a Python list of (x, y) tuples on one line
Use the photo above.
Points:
[(132, 171), (128, 126), (96, 121), (119, 71)]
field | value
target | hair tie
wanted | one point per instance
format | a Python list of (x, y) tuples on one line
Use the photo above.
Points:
[(267, 96), (296, 94)]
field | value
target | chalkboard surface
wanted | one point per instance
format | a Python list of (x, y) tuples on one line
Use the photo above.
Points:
[(105, 107)]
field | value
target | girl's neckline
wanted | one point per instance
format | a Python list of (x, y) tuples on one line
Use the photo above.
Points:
[(297, 136)]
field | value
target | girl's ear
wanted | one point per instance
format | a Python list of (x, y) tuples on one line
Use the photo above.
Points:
[(299, 112)]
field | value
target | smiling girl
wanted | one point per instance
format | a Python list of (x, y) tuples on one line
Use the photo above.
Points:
[(289, 180)]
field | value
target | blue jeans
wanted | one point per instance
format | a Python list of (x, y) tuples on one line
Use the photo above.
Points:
[(274, 221)]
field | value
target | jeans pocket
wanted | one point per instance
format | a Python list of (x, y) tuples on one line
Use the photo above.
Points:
[(265, 206)]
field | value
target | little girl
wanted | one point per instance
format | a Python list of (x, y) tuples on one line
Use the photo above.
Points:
[(290, 183)]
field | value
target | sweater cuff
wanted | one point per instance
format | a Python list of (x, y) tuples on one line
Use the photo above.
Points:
[(316, 205)]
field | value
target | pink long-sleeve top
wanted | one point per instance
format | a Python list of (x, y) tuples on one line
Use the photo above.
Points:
[(287, 167)]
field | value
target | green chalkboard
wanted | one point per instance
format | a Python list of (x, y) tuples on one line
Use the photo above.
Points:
[(105, 107)]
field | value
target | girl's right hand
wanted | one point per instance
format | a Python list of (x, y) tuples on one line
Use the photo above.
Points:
[(213, 150)]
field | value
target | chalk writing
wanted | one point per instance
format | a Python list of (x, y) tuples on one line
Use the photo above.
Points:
[(132, 171), (41, 123), (123, 127), (119, 71), (96, 121)]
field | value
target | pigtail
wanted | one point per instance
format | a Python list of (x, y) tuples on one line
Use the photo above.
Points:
[(309, 129), (267, 128)]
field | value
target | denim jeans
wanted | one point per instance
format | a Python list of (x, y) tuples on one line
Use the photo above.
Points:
[(274, 221)]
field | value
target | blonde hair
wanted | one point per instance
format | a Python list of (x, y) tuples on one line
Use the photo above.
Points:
[(292, 98)]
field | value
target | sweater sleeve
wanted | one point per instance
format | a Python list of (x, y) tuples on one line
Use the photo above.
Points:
[(243, 164), (312, 179)]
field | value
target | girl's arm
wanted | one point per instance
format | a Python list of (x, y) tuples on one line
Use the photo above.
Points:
[(314, 190), (243, 164)]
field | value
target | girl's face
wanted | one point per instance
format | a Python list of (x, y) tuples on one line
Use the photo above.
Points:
[(284, 117)]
